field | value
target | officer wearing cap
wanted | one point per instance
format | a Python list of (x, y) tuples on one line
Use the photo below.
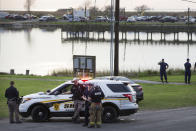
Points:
[(163, 67), (86, 98), (187, 74), (96, 107), (77, 92), (12, 96)]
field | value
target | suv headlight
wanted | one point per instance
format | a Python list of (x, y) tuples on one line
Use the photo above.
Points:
[(26, 99)]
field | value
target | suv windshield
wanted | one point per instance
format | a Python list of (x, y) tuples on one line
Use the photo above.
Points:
[(119, 88)]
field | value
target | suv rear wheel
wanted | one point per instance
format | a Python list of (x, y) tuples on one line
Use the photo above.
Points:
[(39, 113), (109, 114)]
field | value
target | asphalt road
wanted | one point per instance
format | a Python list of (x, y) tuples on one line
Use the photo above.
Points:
[(182, 119)]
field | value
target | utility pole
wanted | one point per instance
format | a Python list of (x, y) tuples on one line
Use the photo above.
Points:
[(188, 33), (112, 40), (95, 9), (116, 48)]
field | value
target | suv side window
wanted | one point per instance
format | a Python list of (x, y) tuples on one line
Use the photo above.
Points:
[(118, 88), (66, 90)]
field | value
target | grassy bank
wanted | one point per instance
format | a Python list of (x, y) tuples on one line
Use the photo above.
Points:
[(155, 96), (127, 73), (168, 96)]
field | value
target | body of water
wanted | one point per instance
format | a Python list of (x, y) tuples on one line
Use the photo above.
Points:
[(44, 50)]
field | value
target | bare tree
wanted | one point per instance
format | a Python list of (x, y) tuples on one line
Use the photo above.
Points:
[(107, 10), (94, 11), (87, 3), (28, 5), (141, 9)]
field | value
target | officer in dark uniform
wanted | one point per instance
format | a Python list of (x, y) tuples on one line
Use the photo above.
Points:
[(77, 92), (86, 98), (96, 107), (12, 96), (163, 67), (187, 66)]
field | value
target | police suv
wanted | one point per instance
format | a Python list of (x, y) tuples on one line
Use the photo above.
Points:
[(119, 101)]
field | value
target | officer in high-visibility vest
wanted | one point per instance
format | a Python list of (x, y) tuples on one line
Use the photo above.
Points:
[(96, 107)]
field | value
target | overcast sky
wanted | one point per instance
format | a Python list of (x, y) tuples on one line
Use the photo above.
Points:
[(170, 5)]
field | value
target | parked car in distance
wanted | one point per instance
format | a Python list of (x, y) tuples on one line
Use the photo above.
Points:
[(3, 15), (47, 18), (192, 20), (30, 16), (101, 19), (138, 88), (19, 17), (131, 19), (168, 19)]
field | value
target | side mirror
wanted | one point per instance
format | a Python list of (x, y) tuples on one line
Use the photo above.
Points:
[(48, 91)]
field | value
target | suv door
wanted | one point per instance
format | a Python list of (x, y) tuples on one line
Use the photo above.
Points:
[(62, 100)]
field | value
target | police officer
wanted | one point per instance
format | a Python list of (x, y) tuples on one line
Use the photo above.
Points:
[(187, 66), (163, 67), (77, 92), (96, 107), (12, 96), (86, 98)]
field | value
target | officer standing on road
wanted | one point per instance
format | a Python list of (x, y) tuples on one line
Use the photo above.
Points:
[(163, 67), (86, 98), (187, 66), (12, 96), (96, 107), (77, 92)]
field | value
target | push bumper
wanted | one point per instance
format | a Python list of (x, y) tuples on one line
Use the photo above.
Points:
[(127, 112)]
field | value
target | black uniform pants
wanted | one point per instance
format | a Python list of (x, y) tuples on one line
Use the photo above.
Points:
[(187, 75), (86, 112), (163, 73), (13, 110)]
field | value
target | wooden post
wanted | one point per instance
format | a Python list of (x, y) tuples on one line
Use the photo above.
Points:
[(12, 72), (134, 35), (27, 72), (147, 36)]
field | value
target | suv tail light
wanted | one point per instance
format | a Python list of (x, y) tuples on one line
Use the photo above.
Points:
[(129, 96), (140, 88)]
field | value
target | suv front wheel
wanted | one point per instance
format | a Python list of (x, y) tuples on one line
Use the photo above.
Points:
[(39, 113), (109, 114)]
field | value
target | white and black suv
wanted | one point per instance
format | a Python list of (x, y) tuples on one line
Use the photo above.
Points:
[(119, 101)]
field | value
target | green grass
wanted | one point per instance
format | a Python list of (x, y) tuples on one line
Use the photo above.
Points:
[(35, 77), (24, 87), (155, 96), (171, 78), (167, 96)]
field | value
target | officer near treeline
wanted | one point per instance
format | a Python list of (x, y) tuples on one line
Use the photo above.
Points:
[(187, 74), (163, 67), (77, 92), (12, 96), (96, 107)]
